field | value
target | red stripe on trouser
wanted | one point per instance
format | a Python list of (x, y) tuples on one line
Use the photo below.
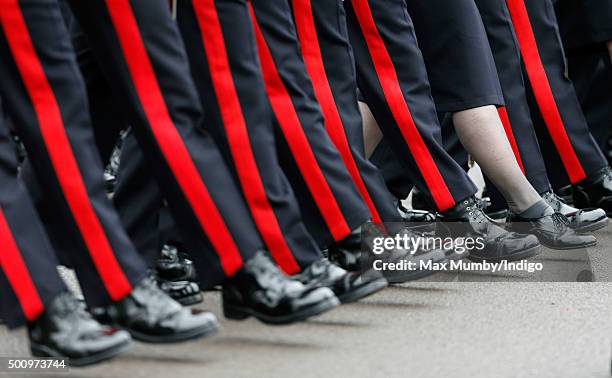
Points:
[(238, 137), (503, 115), (298, 142), (311, 51), (61, 155), (17, 273), (399, 108), (542, 91), (170, 142)]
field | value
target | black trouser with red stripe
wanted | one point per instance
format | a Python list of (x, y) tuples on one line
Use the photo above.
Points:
[(28, 273), (328, 58), (228, 76), (45, 98), (221, 47), (393, 81), (562, 130), (330, 201), (309, 158), (142, 56)]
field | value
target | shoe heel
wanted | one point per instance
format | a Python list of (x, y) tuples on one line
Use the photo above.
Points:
[(234, 313)]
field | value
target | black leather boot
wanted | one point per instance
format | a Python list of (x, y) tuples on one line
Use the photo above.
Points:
[(151, 316), (67, 330), (420, 220), (186, 293), (553, 231), (595, 191), (347, 286), (583, 220), (261, 290), (467, 219), (175, 265)]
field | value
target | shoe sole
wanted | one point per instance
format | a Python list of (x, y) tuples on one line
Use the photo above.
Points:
[(364, 291), (190, 300), (593, 227), (412, 276), (43, 351), (570, 247), (524, 254), (242, 313), (191, 334)]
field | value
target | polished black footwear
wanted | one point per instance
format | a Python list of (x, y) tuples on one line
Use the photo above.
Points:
[(353, 255), (420, 220), (467, 219), (583, 220), (261, 290), (595, 191), (151, 316), (186, 293), (174, 265), (67, 330), (553, 231), (347, 286)]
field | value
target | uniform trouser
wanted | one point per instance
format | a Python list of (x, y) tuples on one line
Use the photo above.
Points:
[(227, 73), (310, 160), (327, 54), (584, 27), (221, 44), (393, 81), (330, 202), (28, 275), (45, 98), (591, 74), (515, 116), (142, 55), (562, 130)]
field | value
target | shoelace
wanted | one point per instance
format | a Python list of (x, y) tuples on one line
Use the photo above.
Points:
[(560, 222), (554, 200)]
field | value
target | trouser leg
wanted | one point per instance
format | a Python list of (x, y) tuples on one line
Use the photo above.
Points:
[(28, 275), (45, 97), (139, 47)]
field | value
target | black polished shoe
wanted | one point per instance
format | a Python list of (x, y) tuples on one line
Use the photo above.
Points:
[(347, 286), (498, 214), (420, 220), (151, 316), (174, 265), (353, 255), (467, 219), (553, 231), (583, 220), (67, 330), (261, 290), (595, 191), (186, 293)]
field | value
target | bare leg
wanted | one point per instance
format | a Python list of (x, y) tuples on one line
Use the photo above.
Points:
[(481, 133), (371, 132)]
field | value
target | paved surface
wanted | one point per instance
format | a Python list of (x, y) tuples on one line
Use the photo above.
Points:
[(448, 328)]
